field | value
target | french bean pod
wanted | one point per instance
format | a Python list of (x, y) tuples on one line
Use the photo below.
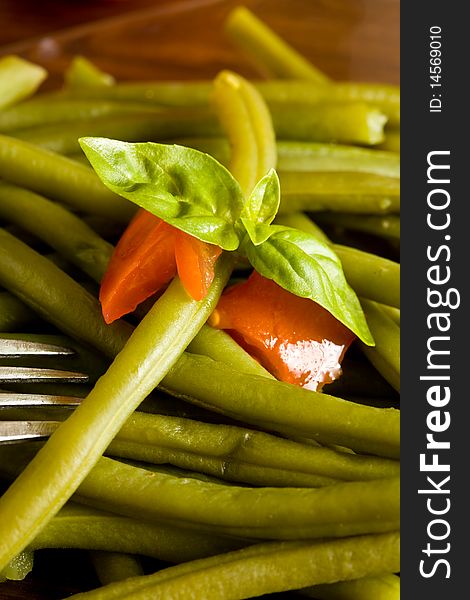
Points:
[(268, 50), (75, 446), (292, 92), (13, 313), (284, 408), (231, 443), (310, 156), (339, 192), (63, 138), (384, 226), (59, 178), (263, 569), (346, 508), (41, 111), (200, 379), (115, 566), (19, 79), (382, 587), (56, 226), (385, 355)]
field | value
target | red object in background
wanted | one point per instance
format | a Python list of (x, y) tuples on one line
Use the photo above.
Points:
[(294, 338), (147, 257)]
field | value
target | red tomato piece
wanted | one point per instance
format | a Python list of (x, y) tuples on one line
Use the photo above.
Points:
[(294, 338), (195, 261), (142, 263)]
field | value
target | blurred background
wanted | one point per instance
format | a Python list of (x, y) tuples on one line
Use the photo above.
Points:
[(346, 38)]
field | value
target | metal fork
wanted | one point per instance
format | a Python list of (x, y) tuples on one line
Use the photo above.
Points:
[(17, 431)]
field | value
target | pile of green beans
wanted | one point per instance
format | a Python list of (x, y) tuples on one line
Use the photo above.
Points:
[(185, 449)]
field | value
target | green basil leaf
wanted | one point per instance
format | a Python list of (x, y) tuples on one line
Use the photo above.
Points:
[(184, 187), (261, 207), (308, 267)]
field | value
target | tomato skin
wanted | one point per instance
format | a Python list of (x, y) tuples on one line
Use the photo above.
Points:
[(294, 338), (195, 261), (147, 257), (142, 263)]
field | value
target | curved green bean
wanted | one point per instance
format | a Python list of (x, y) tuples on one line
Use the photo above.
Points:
[(59, 178), (262, 569)]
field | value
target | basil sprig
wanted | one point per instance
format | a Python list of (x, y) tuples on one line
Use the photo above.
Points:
[(193, 192)]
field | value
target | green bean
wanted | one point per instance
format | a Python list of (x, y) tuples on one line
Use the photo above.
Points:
[(232, 444), (383, 226), (273, 405), (63, 139), (19, 79), (20, 566), (228, 471), (13, 313), (391, 142), (268, 50), (385, 355), (115, 566), (370, 275), (339, 192), (346, 508), (83, 73), (78, 442), (261, 569), (218, 345), (354, 123), (392, 312), (310, 156), (284, 408), (41, 111), (382, 587), (56, 226), (77, 526), (350, 123), (247, 122), (59, 178), (57, 297), (289, 93)]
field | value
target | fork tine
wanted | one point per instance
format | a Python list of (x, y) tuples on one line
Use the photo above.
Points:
[(12, 400), (35, 375), (21, 431), (13, 347)]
